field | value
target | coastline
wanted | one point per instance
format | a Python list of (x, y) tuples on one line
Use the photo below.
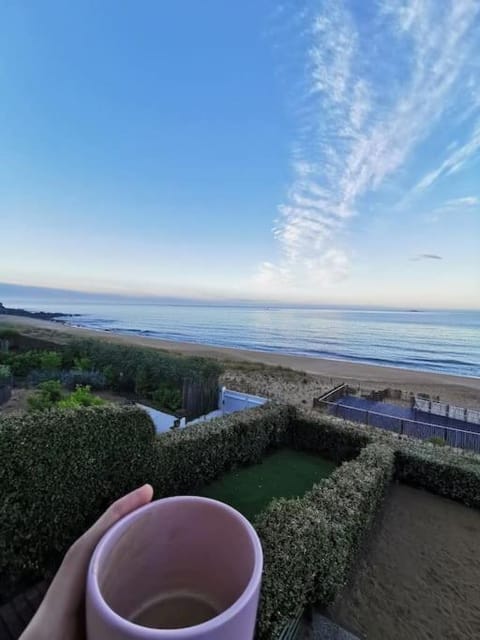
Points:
[(450, 387)]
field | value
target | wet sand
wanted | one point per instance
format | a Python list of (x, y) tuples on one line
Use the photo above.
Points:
[(420, 576), (325, 373)]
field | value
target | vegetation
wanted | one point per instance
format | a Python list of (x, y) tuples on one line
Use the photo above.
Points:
[(167, 397), (58, 470), (5, 374), (285, 473), (139, 369), (440, 470), (8, 333), (50, 394), (47, 395), (309, 544), (188, 459)]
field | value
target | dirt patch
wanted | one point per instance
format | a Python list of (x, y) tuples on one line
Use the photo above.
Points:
[(420, 576), (18, 401)]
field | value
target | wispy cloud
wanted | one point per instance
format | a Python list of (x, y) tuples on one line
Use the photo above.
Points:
[(426, 256), (374, 90), (455, 161), (452, 207)]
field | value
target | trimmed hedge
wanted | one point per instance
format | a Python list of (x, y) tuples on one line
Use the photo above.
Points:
[(328, 437), (189, 458), (443, 471), (58, 471), (451, 473), (310, 544), (60, 468)]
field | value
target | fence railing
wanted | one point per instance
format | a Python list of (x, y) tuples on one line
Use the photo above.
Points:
[(447, 410), (459, 438), (330, 396)]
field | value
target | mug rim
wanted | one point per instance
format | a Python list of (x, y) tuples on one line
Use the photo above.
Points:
[(111, 536)]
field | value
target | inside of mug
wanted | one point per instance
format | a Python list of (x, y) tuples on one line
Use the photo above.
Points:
[(186, 545)]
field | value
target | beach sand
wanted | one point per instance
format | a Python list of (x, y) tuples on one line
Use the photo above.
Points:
[(288, 378), (420, 573)]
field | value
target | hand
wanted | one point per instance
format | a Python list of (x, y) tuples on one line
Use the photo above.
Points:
[(61, 616)]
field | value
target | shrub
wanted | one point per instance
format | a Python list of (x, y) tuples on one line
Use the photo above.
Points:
[(37, 376), (94, 379), (48, 394), (8, 332), (5, 374), (50, 360), (441, 470), (22, 363), (81, 397), (310, 544), (297, 542), (82, 364), (167, 398), (440, 442), (126, 366), (328, 436), (58, 471)]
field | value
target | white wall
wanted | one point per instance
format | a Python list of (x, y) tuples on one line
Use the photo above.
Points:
[(232, 401), (162, 421)]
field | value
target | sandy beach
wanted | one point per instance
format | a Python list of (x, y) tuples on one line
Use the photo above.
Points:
[(299, 380)]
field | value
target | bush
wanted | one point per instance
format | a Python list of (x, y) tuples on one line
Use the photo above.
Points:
[(441, 470), (37, 376), (22, 363), (167, 398), (48, 394), (82, 364), (328, 436), (297, 544), (81, 397), (310, 544), (50, 360), (440, 442), (128, 367), (94, 379), (58, 470), (8, 333), (5, 374)]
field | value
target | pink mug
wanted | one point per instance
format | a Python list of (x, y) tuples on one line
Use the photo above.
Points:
[(179, 568)]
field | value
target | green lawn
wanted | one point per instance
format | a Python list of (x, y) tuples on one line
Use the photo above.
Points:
[(286, 473)]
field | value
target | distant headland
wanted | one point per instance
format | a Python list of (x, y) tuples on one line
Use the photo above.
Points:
[(38, 315)]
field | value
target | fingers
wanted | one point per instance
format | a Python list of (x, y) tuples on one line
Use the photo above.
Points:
[(115, 512)]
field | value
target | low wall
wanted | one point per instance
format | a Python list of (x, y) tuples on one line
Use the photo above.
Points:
[(162, 421), (232, 401)]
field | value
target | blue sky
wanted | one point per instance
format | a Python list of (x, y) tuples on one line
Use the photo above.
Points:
[(320, 151)]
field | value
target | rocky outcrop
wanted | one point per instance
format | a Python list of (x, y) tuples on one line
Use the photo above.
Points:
[(38, 315)]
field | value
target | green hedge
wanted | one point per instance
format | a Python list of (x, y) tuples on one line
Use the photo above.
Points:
[(310, 544), (187, 459), (60, 468), (327, 436), (452, 473), (139, 369), (58, 471), (440, 470)]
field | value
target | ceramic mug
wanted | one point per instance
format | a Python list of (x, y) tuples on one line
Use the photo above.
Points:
[(190, 565)]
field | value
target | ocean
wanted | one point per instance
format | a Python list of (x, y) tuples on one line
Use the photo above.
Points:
[(440, 341)]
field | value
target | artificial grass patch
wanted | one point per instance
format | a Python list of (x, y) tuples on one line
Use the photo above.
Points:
[(284, 474)]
